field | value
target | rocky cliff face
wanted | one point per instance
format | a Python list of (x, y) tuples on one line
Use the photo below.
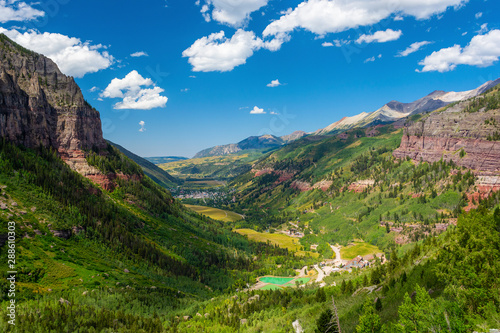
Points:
[(455, 134), (41, 106)]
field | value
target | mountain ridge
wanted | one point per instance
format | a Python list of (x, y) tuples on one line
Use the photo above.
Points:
[(158, 175), (252, 142), (395, 110)]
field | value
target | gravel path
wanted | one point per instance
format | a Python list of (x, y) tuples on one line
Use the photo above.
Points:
[(321, 274), (338, 260)]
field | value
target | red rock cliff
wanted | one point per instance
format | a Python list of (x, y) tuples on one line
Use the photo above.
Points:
[(39, 105), (455, 134)]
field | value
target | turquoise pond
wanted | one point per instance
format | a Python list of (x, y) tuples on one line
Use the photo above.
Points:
[(275, 280)]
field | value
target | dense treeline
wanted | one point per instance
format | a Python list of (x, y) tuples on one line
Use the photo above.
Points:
[(81, 204), (112, 161), (100, 217)]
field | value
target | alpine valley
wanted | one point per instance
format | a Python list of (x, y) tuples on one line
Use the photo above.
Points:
[(388, 221)]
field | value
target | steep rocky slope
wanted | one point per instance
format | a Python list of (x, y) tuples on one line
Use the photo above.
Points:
[(466, 133), (41, 106), (293, 136), (72, 237)]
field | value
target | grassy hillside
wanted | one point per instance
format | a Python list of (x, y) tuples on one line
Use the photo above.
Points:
[(216, 214), (282, 240), (157, 174), (110, 260), (165, 159), (358, 249), (369, 195), (215, 167), (417, 290)]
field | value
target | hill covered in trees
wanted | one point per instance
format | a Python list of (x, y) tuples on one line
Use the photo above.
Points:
[(100, 247)]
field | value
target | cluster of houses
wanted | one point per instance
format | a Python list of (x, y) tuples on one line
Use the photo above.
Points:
[(200, 195), (295, 233), (359, 262)]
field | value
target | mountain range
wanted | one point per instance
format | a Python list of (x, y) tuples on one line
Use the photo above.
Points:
[(101, 247), (395, 110), (390, 112), (254, 142), (165, 159)]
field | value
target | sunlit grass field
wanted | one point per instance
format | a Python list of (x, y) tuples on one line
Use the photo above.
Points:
[(281, 240), (358, 249), (215, 213)]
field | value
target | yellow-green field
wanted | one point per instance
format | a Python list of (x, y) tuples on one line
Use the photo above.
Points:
[(215, 213), (281, 240), (358, 249), (178, 168), (213, 183)]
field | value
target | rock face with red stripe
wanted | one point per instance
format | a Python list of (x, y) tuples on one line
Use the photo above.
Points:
[(39, 105), (467, 138)]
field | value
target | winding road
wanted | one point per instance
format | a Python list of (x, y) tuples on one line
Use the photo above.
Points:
[(321, 274), (338, 260)]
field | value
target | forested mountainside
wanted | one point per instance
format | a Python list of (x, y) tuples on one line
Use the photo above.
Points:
[(94, 235), (157, 174), (350, 181), (100, 247)]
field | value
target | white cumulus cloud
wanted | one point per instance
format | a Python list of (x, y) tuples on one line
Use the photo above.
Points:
[(216, 52), (257, 110), (134, 96), (143, 126), (341, 42), (13, 10), (235, 13), (139, 54), (413, 48), (482, 51), (484, 28), (380, 36), (74, 57), (327, 44), (274, 83), (330, 16), (478, 15)]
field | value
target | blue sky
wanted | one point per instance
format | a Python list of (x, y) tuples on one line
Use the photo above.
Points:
[(174, 77)]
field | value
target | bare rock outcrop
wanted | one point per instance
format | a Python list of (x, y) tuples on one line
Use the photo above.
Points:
[(39, 105), (457, 135)]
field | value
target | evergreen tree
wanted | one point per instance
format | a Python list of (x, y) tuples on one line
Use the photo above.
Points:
[(369, 321), (320, 295), (326, 322), (378, 304), (365, 280)]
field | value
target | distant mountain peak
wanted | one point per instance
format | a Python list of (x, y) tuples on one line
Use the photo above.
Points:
[(395, 110), (252, 142), (293, 136)]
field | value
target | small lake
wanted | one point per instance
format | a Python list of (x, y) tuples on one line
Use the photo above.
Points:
[(275, 280)]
